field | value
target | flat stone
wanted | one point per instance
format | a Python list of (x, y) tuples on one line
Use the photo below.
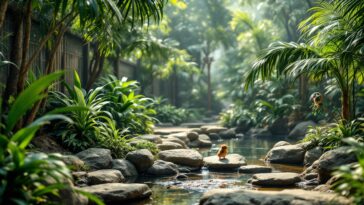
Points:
[(96, 158), (253, 169), (285, 197), (104, 176), (114, 193), (175, 140), (280, 179), (288, 154), (208, 129), (163, 168), (126, 168), (181, 135), (187, 157), (142, 159), (167, 145), (231, 162)]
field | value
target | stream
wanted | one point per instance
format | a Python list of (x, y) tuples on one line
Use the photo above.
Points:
[(168, 191)]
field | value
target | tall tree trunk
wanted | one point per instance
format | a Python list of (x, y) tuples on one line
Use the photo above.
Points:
[(3, 8), (26, 41), (345, 110), (95, 67), (15, 57)]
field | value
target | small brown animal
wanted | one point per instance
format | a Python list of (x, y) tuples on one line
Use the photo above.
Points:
[(222, 152)]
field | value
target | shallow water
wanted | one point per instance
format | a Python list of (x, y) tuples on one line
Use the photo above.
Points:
[(168, 191)]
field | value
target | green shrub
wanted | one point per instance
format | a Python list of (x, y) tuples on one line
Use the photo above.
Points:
[(330, 137), (152, 147), (171, 114), (236, 116), (350, 181), (30, 178), (84, 131), (130, 110)]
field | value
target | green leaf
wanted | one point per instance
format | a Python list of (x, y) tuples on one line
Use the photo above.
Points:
[(28, 97)]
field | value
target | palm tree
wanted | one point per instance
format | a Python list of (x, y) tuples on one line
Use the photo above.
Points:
[(333, 34)]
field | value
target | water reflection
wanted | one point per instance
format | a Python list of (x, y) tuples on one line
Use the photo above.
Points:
[(168, 191)]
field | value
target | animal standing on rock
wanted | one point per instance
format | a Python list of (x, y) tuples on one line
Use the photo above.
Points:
[(222, 152)]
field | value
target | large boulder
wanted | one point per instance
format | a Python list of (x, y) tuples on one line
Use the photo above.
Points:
[(286, 197), (288, 154), (73, 162), (117, 193), (253, 169), (187, 157), (299, 131), (126, 168), (167, 145), (142, 159), (230, 163), (151, 138), (162, 168), (259, 133), (202, 141), (281, 143), (104, 176), (228, 134), (96, 158), (331, 160), (312, 155), (279, 126), (281, 179)]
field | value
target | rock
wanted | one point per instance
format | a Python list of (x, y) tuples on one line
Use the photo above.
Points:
[(240, 135), (202, 141), (187, 169), (166, 145), (151, 138), (281, 143), (299, 131), (96, 158), (142, 159), (181, 135), (186, 157), (312, 155), (208, 129), (285, 197), (80, 178), (259, 132), (252, 169), (281, 179), (175, 140), (181, 177), (68, 196), (228, 134), (161, 168), (288, 154), (192, 136), (104, 176), (323, 188), (116, 193), (279, 126), (310, 176), (331, 160), (126, 168), (230, 163), (214, 136), (73, 162)]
